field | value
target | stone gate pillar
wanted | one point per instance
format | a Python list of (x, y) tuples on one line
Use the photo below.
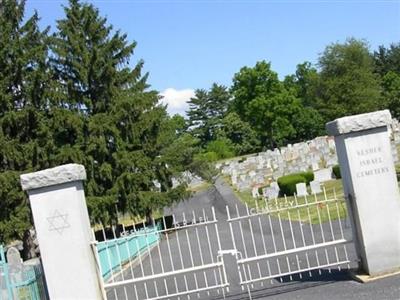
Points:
[(370, 187), (63, 229)]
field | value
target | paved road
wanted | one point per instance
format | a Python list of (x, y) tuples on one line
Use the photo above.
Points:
[(198, 246)]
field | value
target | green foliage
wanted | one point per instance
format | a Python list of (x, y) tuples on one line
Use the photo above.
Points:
[(25, 128), (309, 123), (348, 83), (387, 59), (242, 136), (287, 184), (221, 147), (309, 176), (82, 102), (336, 171), (209, 156), (305, 83), (14, 211), (263, 101), (130, 144), (391, 92), (206, 110)]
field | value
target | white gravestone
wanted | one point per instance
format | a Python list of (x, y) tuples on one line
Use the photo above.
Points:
[(323, 175), (301, 189), (275, 185), (63, 229), (255, 193), (315, 187), (370, 188), (270, 193), (14, 257)]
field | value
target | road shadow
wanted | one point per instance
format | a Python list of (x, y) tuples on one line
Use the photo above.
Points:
[(288, 284)]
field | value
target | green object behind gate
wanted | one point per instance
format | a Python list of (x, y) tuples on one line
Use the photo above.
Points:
[(25, 284), (115, 253)]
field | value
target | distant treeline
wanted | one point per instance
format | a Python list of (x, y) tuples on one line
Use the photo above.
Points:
[(259, 111)]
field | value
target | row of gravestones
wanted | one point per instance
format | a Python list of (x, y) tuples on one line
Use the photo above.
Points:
[(258, 170), (318, 154), (272, 192)]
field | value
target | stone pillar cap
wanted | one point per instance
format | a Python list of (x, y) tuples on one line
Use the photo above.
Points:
[(53, 176), (359, 122)]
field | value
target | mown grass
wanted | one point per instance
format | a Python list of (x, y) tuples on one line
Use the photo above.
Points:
[(311, 209)]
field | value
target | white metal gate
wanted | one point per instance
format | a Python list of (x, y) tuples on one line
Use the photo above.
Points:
[(284, 237), (200, 256), (183, 261)]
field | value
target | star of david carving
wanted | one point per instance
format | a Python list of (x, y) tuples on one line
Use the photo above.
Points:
[(58, 222)]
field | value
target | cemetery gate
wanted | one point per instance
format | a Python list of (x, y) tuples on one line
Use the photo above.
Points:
[(200, 255)]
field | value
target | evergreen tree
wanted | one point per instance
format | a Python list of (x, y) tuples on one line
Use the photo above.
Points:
[(125, 129), (206, 111), (25, 137), (387, 59)]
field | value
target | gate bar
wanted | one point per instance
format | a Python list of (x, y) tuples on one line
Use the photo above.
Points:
[(294, 250), (161, 275)]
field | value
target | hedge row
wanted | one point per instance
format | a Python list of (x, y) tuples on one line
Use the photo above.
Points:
[(287, 184)]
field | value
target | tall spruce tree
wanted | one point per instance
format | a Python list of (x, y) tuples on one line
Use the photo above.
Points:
[(25, 137), (125, 128), (206, 111)]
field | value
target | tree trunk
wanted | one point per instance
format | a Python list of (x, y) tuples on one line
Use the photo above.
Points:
[(29, 245), (149, 217)]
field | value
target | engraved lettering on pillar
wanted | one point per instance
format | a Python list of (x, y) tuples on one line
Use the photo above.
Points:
[(371, 162)]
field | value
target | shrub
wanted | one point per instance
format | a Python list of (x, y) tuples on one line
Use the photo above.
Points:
[(222, 147), (336, 172), (309, 176), (287, 184), (210, 156)]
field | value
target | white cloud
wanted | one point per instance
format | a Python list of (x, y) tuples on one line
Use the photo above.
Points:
[(176, 100)]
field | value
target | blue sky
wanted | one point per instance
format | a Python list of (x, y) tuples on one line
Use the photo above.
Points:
[(189, 44)]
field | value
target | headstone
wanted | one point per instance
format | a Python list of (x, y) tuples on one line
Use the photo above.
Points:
[(234, 179), (315, 187), (323, 175), (14, 257), (275, 185), (254, 192), (315, 166), (271, 193), (370, 187), (301, 189)]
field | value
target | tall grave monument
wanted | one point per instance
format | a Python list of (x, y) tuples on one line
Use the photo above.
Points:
[(370, 187)]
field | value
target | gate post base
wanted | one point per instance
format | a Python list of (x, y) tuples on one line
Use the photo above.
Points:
[(361, 277)]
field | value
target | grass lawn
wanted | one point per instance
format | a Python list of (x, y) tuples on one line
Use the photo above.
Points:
[(314, 209)]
